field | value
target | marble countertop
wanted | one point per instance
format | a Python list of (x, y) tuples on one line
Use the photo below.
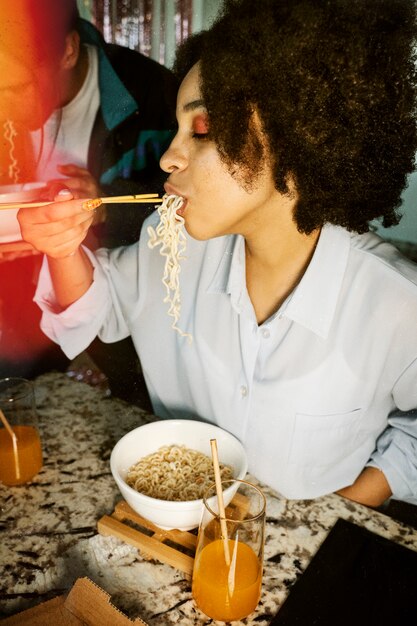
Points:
[(48, 535)]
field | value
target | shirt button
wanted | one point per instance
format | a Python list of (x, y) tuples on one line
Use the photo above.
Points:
[(243, 391), (265, 333)]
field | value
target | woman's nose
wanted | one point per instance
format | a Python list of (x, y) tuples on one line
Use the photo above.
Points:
[(174, 158)]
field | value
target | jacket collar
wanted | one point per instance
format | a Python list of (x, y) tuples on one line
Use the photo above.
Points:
[(117, 103), (313, 302)]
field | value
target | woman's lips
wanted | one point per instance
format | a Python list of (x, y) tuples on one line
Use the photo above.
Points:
[(174, 192), (171, 191), (181, 210)]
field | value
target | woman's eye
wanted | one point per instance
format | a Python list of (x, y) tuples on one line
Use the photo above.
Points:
[(200, 127)]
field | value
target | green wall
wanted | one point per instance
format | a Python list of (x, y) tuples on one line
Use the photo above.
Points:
[(407, 228)]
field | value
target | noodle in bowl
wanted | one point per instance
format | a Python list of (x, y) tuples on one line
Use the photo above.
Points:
[(193, 435)]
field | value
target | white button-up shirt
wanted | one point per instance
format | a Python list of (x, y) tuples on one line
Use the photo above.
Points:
[(309, 392)]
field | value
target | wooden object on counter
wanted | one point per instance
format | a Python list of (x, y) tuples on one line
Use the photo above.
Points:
[(86, 604), (174, 547)]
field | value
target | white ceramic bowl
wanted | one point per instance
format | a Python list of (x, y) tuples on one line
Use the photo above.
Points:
[(193, 434), (9, 225)]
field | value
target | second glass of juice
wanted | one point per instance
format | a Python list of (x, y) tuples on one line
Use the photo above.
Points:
[(227, 575), (20, 456)]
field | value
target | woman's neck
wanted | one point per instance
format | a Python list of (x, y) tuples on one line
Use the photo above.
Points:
[(277, 256)]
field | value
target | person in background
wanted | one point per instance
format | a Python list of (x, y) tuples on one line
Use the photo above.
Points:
[(106, 115), (296, 127)]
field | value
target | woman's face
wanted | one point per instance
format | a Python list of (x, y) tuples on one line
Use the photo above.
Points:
[(215, 203), (27, 86), (25, 98)]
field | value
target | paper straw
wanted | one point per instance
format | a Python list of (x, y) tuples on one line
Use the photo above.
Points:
[(218, 480), (14, 439)]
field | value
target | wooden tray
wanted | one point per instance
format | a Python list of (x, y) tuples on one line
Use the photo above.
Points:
[(173, 547)]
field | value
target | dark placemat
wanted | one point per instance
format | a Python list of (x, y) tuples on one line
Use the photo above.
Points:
[(356, 578)]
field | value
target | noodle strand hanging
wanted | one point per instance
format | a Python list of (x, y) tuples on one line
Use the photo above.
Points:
[(9, 134), (169, 234)]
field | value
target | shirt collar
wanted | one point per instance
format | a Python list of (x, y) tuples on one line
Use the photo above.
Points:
[(117, 103), (226, 273), (230, 276), (313, 302)]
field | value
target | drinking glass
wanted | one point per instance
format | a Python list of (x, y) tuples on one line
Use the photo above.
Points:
[(227, 575), (20, 457)]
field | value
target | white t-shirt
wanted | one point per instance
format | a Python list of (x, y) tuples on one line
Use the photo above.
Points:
[(309, 391), (67, 132)]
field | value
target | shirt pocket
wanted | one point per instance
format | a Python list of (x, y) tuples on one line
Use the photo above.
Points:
[(325, 440)]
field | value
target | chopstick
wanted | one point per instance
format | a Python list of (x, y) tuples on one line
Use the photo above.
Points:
[(220, 502), (148, 198)]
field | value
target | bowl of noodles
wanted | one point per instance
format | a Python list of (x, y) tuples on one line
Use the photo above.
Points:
[(164, 468)]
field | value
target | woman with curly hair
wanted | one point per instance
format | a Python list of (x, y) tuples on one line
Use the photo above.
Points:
[(296, 127)]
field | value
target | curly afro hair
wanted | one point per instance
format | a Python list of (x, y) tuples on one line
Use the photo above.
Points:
[(334, 85)]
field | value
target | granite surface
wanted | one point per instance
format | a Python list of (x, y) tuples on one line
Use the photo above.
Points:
[(48, 534)]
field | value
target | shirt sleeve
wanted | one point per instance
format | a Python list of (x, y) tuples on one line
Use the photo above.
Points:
[(396, 449), (94, 314)]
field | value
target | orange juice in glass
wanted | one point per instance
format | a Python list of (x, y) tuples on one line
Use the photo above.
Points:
[(20, 451), (227, 575)]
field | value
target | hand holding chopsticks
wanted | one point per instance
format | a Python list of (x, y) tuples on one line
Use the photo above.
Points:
[(58, 228), (148, 198)]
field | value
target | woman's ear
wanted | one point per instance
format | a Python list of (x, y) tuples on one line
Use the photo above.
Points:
[(71, 52)]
